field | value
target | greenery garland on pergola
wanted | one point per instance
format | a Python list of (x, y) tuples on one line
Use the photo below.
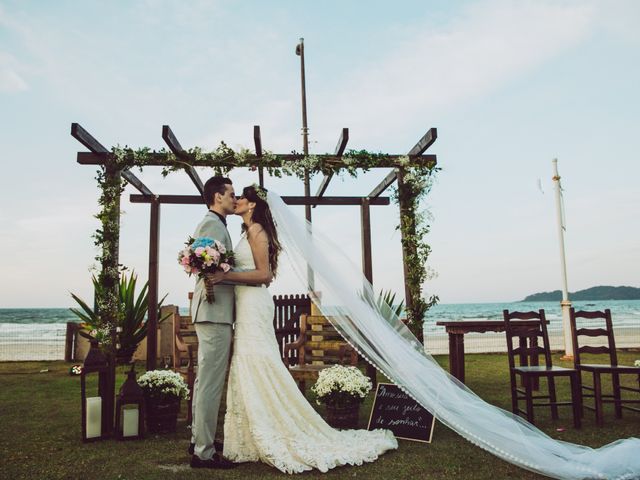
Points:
[(414, 173)]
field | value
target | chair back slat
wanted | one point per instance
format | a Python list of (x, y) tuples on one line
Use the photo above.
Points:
[(522, 315), (528, 351), (594, 350), (591, 314), (592, 330)]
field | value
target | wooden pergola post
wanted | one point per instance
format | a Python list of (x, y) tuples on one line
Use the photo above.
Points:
[(152, 318), (367, 265), (407, 224)]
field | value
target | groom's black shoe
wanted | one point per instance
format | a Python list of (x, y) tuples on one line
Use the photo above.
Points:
[(218, 461), (219, 446)]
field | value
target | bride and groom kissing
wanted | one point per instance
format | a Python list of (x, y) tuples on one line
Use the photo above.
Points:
[(268, 419)]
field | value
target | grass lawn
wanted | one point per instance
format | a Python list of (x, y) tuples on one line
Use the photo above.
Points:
[(40, 434)]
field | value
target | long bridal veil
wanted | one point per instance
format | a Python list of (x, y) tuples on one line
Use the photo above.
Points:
[(380, 337)]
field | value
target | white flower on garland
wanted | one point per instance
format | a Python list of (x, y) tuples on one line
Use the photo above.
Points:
[(341, 386), (637, 363), (159, 383)]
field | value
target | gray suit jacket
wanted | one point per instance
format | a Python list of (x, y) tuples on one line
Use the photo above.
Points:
[(222, 310)]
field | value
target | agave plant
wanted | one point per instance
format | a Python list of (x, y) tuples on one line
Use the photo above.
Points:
[(388, 299), (132, 325)]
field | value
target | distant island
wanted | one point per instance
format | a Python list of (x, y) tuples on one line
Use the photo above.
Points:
[(593, 294)]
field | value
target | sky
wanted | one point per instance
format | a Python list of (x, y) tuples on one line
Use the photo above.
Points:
[(509, 85)]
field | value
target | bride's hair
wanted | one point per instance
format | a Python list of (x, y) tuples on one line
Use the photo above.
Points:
[(262, 215)]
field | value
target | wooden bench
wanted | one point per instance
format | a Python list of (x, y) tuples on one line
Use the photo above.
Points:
[(185, 353), (318, 346)]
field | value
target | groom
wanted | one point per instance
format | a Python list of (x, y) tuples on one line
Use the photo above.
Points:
[(213, 323)]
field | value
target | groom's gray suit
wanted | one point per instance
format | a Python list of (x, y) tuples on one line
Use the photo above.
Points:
[(213, 324)]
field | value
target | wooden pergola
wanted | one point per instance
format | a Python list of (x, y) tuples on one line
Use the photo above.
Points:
[(99, 155)]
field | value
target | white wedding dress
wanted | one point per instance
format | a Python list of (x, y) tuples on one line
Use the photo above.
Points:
[(268, 419)]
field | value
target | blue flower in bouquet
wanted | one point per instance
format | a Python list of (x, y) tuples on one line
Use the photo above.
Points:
[(202, 242)]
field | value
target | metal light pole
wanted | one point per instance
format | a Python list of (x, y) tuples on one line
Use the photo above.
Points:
[(565, 304), (305, 129), (305, 147)]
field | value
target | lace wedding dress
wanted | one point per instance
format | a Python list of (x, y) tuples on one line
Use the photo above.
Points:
[(268, 419)]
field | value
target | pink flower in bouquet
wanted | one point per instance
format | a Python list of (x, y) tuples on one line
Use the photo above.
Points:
[(225, 267), (213, 253), (199, 251)]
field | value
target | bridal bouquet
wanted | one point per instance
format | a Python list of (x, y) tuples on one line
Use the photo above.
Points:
[(205, 255), (341, 386)]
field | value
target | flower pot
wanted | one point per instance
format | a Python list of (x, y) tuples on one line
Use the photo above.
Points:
[(345, 417), (162, 414)]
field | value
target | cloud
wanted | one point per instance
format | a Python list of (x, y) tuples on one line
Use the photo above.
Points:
[(10, 79), (439, 67)]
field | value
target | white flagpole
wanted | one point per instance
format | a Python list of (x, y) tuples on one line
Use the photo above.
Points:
[(565, 304)]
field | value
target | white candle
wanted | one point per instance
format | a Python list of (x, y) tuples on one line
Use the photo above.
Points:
[(94, 417), (130, 422)]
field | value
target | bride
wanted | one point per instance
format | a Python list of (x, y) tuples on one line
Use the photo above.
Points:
[(268, 419)]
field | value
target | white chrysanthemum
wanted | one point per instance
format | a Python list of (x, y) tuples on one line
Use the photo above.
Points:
[(340, 379), (163, 382)]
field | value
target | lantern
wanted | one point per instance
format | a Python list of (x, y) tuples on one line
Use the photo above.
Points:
[(130, 409), (95, 409)]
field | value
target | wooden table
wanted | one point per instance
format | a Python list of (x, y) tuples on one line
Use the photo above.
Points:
[(457, 329)]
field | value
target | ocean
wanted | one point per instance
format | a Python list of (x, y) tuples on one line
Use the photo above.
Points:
[(39, 333)]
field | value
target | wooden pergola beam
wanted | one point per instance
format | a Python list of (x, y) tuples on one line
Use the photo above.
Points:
[(340, 147), (425, 142), (136, 182), (159, 160), (301, 200), (86, 139), (418, 149), (174, 145), (384, 184)]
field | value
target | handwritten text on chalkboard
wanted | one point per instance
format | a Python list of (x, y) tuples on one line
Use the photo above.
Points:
[(396, 411)]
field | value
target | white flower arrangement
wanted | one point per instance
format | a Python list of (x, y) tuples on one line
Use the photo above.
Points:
[(163, 383), (637, 363), (341, 386)]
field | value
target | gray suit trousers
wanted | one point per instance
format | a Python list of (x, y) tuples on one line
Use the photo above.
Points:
[(214, 344)]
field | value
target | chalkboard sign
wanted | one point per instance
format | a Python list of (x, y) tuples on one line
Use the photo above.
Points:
[(396, 411)]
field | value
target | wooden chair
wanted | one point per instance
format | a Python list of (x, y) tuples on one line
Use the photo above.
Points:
[(527, 327), (286, 321), (319, 346), (603, 327)]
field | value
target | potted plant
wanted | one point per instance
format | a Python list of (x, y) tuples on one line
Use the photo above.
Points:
[(132, 322), (163, 390), (342, 389)]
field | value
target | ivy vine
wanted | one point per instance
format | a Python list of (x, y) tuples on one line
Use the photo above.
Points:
[(414, 186)]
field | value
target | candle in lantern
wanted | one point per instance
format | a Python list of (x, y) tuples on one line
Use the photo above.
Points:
[(94, 417), (130, 422)]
